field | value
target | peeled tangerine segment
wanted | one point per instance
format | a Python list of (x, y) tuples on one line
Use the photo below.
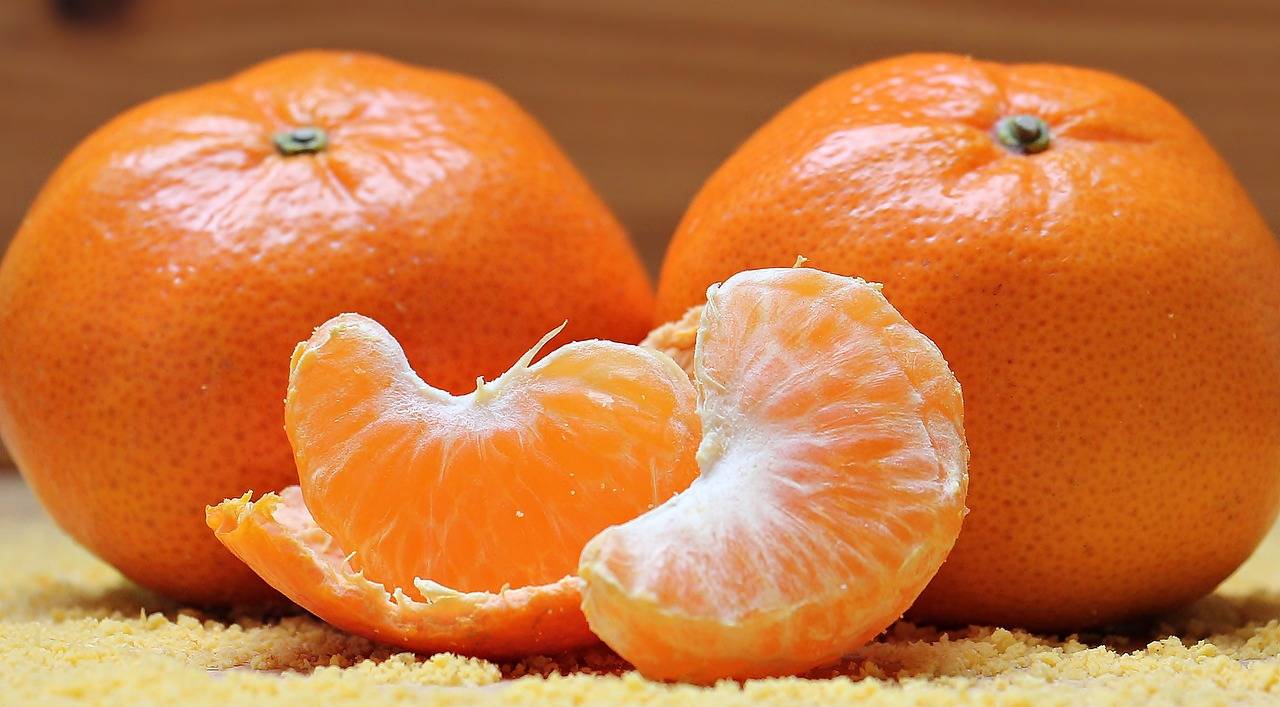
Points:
[(441, 522), (832, 487)]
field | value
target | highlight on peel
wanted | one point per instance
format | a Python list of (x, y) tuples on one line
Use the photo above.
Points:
[(832, 488), (439, 522)]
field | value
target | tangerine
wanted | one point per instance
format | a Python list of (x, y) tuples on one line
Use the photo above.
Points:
[(1102, 286), (170, 264)]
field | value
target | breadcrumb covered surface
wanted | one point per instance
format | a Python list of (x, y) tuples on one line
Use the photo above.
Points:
[(72, 630)]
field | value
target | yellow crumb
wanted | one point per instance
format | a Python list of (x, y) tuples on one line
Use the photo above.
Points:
[(71, 630)]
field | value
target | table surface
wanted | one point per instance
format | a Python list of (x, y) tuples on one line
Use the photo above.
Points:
[(71, 629)]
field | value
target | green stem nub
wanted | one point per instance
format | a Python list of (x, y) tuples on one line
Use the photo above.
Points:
[(1024, 134), (302, 140)]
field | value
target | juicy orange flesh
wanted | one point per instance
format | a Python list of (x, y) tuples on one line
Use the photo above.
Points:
[(501, 487), (833, 475)]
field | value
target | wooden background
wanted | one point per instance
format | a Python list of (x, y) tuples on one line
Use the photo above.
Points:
[(647, 96)]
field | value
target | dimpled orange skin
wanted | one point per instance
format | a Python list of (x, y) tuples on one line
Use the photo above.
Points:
[(1110, 306), (151, 299)]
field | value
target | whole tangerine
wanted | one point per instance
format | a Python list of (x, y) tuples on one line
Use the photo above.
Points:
[(153, 294), (1105, 292)]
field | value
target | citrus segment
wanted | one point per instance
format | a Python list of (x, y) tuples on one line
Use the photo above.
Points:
[(833, 478), (444, 503), (277, 537), (500, 486)]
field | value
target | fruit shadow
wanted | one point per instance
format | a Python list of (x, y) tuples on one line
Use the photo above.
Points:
[(905, 651), (598, 659), (1217, 619), (909, 651), (59, 600)]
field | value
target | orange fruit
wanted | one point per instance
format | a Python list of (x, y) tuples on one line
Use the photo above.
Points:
[(160, 280), (439, 522), (832, 487), (1100, 283)]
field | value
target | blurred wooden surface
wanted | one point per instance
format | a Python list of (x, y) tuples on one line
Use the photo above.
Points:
[(647, 96)]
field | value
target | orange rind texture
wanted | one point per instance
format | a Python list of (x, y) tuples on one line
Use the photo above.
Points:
[(1111, 306), (156, 286)]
